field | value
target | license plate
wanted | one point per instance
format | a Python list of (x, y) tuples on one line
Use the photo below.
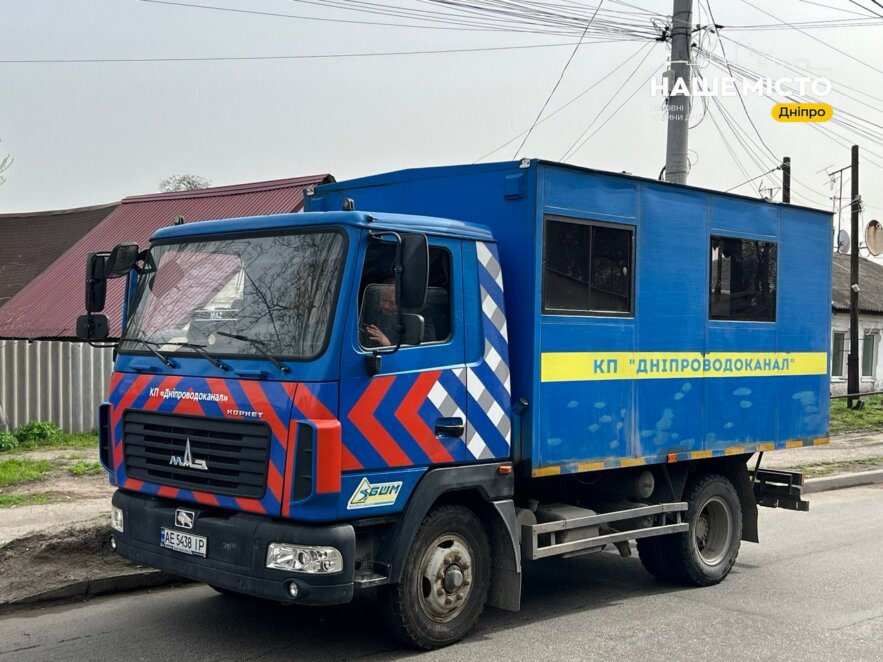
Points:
[(186, 543)]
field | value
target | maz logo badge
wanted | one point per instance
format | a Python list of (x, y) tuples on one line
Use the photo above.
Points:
[(187, 461)]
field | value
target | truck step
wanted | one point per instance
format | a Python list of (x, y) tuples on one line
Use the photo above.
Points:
[(369, 579), (551, 538)]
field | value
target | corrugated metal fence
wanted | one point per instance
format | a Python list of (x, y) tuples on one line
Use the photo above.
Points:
[(55, 380)]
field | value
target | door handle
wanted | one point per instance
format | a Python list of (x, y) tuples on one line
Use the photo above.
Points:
[(449, 427)]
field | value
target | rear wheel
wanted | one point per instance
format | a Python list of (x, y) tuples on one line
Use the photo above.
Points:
[(656, 556), (705, 554), (445, 581)]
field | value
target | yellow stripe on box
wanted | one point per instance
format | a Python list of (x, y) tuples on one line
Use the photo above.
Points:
[(821, 441), (597, 366)]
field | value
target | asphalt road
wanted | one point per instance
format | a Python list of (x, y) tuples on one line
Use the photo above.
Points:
[(812, 590)]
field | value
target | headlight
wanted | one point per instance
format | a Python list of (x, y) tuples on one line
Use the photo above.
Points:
[(304, 558), (116, 519)]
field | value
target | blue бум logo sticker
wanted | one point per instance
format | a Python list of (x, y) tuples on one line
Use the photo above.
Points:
[(371, 496)]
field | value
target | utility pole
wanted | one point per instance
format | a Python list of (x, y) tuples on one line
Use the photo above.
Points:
[(852, 381), (677, 163), (786, 180)]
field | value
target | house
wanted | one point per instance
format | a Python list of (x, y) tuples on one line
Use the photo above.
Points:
[(45, 372), (870, 324), (32, 241)]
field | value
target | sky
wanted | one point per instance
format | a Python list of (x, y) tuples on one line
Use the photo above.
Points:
[(85, 133)]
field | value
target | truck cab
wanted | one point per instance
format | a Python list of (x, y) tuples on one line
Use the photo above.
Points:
[(308, 405)]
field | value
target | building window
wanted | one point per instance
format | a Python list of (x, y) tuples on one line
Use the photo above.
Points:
[(838, 354), (869, 346), (743, 280), (587, 268)]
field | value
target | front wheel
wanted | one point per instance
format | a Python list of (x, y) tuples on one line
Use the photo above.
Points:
[(705, 554), (445, 581)]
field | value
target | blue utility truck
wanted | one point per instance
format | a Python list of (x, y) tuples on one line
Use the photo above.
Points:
[(432, 376)]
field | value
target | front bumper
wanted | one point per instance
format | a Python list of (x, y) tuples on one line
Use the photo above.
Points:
[(237, 549)]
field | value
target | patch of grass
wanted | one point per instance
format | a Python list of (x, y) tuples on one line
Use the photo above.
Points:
[(15, 471), (83, 441), (870, 417), (33, 499), (85, 468), (819, 469)]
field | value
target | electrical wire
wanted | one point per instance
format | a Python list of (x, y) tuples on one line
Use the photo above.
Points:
[(573, 152), (558, 82), (814, 38), (572, 100), (305, 56)]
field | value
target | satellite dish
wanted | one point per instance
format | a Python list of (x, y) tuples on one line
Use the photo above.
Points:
[(874, 237), (843, 242)]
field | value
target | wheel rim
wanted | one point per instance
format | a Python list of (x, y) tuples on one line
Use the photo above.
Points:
[(446, 577), (713, 531)]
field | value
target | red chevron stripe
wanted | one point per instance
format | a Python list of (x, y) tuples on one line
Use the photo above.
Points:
[(261, 403), (327, 456), (166, 491), (250, 505), (205, 498), (274, 481), (348, 461), (156, 400), (362, 416), (133, 484), (289, 467), (408, 415), (310, 406), (125, 402)]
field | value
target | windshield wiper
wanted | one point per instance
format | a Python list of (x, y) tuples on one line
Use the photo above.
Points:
[(150, 348), (258, 345), (200, 349)]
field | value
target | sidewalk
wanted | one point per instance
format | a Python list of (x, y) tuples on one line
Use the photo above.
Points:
[(61, 547)]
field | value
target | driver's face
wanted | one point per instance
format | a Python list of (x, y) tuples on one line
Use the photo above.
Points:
[(388, 299)]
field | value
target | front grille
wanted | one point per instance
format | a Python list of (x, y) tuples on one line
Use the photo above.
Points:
[(236, 453)]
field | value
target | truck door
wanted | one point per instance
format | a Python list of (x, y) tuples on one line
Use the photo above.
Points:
[(413, 412)]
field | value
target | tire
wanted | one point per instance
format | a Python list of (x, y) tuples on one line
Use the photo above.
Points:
[(704, 555), (449, 557), (656, 556)]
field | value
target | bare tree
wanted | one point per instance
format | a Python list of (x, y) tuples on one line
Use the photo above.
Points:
[(183, 183), (5, 162)]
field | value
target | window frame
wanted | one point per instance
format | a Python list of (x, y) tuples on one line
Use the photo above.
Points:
[(843, 353), (591, 223), (710, 281), (435, 343), (874, 348)]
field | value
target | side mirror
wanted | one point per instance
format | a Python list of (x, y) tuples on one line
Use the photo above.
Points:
[(92, 327), (121, 260), (415, 271), (412, 329), (96, 282)]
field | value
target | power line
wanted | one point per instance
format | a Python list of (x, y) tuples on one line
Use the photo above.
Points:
[(814, 38), (305, 56), (572, 152), (573, 100), (558, 82), (768, 172)]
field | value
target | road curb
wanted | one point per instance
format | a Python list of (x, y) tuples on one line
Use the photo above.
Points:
[(814, 485), (122, 583)]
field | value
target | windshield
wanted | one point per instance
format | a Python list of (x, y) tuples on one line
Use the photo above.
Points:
[(277, 292)]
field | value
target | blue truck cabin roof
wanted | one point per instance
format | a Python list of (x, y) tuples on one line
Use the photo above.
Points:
[(664, 377)]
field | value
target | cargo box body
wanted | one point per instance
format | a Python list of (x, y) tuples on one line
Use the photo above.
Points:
[(677, 356)]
